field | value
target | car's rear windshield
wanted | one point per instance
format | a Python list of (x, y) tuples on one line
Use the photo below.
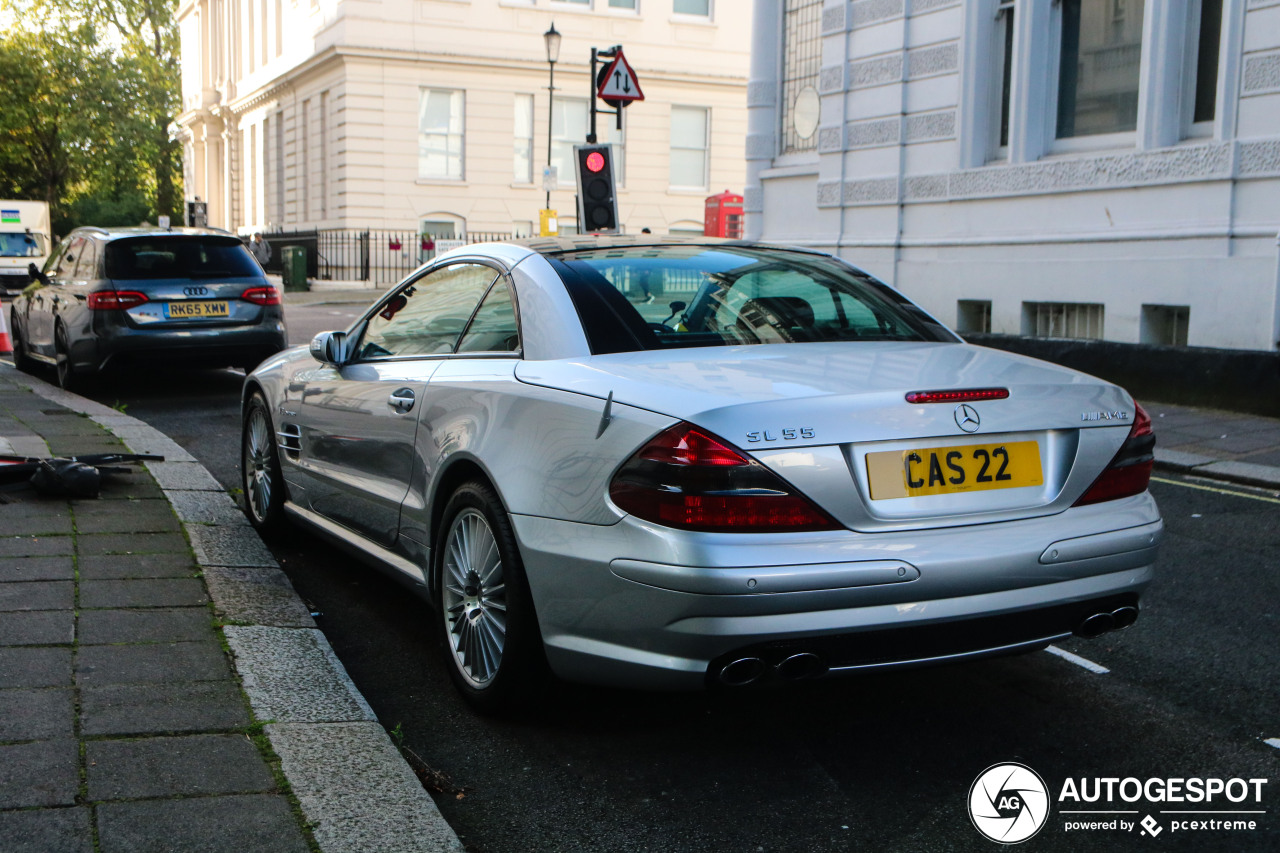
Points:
[(657, 297), (179, 257)]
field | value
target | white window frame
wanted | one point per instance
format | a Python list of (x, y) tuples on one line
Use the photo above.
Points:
[(525, 141), (705, 148), (695, 16), (605, 133), (461, 134), (1166, 84)]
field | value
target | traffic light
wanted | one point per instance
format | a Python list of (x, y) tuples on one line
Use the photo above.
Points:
[(597, 201)]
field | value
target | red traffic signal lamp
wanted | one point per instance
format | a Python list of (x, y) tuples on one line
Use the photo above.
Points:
[(597, 197)]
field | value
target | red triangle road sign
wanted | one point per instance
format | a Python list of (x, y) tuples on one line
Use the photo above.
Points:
[(619, 81)]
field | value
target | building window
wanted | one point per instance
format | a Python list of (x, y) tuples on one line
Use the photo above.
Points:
[(440, 134), (1004, 44), (622, 4), (689, 136), (1062, 319), (692, 7), (1101, 57), (1209, 38), (801, 63), (1165, 325), (522, 161), (570, 121), (973, 316)]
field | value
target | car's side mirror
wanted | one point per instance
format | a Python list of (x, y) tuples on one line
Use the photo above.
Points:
[(330, 348), (36, 275)]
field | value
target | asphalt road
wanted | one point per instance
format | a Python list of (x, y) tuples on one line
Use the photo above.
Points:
[(878, 763)]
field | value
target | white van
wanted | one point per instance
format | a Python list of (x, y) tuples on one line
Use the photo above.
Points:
[(25, 238)]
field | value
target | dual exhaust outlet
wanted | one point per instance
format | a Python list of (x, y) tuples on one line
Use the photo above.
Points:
[(748, 670), (1100, 623)]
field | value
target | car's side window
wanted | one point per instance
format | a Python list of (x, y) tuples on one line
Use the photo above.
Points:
[(87, 263), (67, 263), (426, 316), (494, 328)]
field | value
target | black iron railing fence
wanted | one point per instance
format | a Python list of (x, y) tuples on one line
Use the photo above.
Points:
[(377, 256)]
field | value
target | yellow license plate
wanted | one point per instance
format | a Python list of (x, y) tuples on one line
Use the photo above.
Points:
[(951, 470), (191, 310)]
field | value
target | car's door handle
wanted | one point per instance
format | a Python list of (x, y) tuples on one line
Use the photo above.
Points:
[(401, 400)]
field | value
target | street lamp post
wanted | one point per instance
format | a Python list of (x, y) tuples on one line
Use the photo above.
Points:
[(552, 40)]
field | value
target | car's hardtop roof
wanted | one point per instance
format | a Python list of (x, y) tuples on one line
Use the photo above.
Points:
[(585, 242), (121, 232)]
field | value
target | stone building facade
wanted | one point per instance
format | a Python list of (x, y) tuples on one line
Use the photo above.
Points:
[(1067, 168), (434, 114)]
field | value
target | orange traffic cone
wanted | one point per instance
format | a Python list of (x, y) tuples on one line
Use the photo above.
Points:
[(6, 342)]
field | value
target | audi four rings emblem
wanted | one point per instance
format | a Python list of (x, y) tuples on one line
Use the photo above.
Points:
[(967, 418), (204, 291)]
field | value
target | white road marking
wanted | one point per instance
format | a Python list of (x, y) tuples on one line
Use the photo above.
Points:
[(1273, 741), (1231, 492), (1077, 660)]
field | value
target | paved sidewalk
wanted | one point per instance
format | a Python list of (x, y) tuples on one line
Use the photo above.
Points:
[(1219, 445), (162, 687)]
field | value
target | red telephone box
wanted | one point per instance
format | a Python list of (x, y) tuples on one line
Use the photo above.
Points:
[(723, 216)]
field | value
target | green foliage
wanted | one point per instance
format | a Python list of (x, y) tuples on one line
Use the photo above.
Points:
[(88, 89)]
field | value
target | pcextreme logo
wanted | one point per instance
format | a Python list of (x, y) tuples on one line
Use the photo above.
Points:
[(1009, 803)]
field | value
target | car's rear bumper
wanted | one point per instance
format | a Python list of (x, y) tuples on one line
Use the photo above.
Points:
[(115, 345), (696, 602)]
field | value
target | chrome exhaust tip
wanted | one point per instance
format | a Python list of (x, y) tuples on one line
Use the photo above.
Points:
[(1096, 625), (1124, 616), (801, 665), (741, 672)]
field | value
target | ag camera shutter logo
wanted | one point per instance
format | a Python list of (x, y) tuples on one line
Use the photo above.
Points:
[(1008, 803)]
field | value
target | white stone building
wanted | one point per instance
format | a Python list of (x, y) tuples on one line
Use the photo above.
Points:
[(433, 114), (1069, 168)]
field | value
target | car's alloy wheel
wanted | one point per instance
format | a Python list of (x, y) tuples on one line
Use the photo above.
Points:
[(490, 631), (260, 469), (474, 597), (68, 380)]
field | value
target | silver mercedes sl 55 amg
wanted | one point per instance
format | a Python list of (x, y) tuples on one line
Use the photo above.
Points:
[(679, 464)]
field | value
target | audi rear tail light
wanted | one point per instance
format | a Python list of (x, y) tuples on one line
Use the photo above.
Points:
[(692, 480), (261, 296), (115, 300), (1130, 471)]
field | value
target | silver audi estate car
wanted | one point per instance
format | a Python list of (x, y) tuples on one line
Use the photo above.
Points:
[(680, 464)]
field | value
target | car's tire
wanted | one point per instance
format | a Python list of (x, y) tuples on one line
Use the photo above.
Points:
[(493, 648), (21, 359), (68, 378), (260, 474)]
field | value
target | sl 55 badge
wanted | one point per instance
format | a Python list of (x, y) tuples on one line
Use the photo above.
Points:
[(785, 434)]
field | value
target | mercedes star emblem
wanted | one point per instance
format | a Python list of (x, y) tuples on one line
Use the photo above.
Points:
[(967, 418)]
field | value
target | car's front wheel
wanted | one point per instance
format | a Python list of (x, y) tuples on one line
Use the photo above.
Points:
[(490, 631), (68, 378), (260, 469)]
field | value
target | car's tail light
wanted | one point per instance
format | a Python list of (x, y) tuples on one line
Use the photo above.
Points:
[(687, 478), (261, 296), (115, 300), (1130, 471)]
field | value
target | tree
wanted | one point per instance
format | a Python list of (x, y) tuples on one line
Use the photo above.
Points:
[(60, 96), (133, 153)]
